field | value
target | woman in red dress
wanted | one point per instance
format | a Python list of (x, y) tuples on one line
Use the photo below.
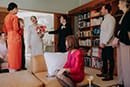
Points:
[(21, 32), (73, 70), (13, 38)]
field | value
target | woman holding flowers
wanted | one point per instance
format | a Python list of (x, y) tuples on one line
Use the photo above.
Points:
[(35, 34)]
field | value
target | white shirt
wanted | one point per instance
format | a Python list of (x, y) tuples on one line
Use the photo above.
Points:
[(107, 29)]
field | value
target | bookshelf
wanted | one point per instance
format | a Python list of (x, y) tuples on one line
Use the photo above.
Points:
[(88, 36), (3, 13), (87, 21)]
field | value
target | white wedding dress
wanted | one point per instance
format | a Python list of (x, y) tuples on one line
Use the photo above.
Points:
[(34, 41)]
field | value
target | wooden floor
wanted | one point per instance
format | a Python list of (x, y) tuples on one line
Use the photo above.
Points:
[(92, 71), (98, 80)]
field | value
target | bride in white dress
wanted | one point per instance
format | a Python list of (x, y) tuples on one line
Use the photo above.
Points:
[(34, 38)]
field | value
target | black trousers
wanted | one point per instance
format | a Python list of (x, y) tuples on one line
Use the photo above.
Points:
[(23, 54), (108, 55), (62, 48)]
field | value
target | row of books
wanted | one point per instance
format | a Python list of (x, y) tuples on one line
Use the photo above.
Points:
[(86, 42), (93, 62), (96, 52), (96, 62), (96, 31), (84, 34), (84, 16), (96, 21), (83, 24), (95, 42)]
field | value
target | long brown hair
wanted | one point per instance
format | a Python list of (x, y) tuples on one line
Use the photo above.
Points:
[(20, 19), (72, 42)]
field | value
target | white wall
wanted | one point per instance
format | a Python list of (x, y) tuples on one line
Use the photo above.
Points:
[(81, 2), (59, 6)]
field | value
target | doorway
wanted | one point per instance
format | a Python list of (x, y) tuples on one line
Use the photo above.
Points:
[(46, 19)]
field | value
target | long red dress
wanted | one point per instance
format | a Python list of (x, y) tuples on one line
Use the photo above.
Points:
[(75, 63), (13, 40)]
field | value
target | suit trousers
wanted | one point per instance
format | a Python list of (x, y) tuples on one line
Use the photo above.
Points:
[(108, 55)]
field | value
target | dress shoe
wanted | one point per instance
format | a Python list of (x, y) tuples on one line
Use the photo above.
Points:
[(116, 85), (121, 85), (24, 68), (107, 78), (101, 75)]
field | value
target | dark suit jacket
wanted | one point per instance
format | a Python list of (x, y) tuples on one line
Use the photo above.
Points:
[(63, 32), (124, 28)]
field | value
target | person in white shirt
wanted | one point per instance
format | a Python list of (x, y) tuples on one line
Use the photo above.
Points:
[(106, 37), (3, 47)]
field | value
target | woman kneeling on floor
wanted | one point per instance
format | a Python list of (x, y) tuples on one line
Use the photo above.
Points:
[(73, 70)]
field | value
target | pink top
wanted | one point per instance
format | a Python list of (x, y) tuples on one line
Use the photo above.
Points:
[(75, 63)]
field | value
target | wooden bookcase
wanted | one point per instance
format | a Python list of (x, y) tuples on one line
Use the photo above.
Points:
[(86, 23), (3, 13)]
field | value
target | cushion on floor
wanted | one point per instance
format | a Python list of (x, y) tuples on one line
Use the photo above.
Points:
[(48, 81)]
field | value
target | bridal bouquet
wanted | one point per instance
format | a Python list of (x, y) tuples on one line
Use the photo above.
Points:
[(40, 30)]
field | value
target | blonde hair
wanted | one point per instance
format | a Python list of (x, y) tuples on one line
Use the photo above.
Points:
[(127, 3)]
